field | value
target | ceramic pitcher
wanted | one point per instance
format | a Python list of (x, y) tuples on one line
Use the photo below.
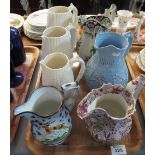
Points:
[(124, 17), (57, 69), (48, 110), (108, 65), (91, 26), (58, 38), (62, 16), (107, 110), (111, 12)]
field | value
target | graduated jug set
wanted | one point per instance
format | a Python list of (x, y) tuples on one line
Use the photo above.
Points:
[(108, 107)]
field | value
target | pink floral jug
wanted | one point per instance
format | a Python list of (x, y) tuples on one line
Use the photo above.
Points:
[(107, 110)]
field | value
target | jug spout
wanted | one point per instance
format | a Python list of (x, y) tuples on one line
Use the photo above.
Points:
[(42, 63), (135, 86), (22, 109), (71, 92), (129, 37)]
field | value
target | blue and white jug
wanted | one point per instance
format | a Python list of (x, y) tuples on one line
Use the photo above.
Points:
[(108, 65)]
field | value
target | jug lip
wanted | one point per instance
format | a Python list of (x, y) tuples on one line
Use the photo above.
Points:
[(44, 35), (55, 69), (92, 92), (113, 33), (49, 86)]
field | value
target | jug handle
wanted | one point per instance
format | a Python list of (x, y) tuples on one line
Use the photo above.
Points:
[(72, 31), (129, 37), (82, 69), (73, 9)]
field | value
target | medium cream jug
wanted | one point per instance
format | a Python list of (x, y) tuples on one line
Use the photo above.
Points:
[(62, 16), (58, 38), (57, 69)]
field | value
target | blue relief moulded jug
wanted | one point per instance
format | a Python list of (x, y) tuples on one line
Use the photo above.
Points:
[(108, 64)]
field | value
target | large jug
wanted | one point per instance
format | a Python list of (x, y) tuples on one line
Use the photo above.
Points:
[(107, 110), (108, 64), (48, 110)]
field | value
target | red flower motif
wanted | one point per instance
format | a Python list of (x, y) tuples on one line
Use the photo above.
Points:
[(83, 108), (134, 82)]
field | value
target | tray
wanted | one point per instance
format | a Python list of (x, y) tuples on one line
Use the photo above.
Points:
[(136, 71), (30, 42), (80, 141), (20, 92)]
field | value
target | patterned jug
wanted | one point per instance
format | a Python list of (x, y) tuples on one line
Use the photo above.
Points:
[(91, 26), (107, 110)]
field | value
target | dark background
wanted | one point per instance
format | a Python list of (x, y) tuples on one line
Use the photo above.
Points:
[(83, 6)]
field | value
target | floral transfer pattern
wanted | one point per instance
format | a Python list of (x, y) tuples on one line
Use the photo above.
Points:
[(103, 128), (91, 26)]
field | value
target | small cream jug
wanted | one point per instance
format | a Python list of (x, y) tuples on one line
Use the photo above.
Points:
[(62, 16), (57, 69), (58, 38)]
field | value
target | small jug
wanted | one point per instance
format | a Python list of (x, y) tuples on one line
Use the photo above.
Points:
[(108, 64), (62, 16), (48, 110), (107, 110), (58, 38), (57, 69)]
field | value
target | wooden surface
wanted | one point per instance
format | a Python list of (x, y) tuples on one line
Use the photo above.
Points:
[(136, 71), (30, 42), (80, 141), (20, 92)]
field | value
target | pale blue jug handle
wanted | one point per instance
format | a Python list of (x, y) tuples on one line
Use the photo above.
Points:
[(129, 37)]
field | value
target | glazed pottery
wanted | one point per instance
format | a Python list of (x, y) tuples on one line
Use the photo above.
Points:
[(62, 16), (91, 26), (17, 53), (107, 110), (108, 65), (16, 78), (138, 27), (123, 18), (57, 69), (111, 12), (49, 112), (59, 39)]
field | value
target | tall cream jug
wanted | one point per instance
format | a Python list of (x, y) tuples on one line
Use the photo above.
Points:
[(62, 16), (57, 69), (58, 38)]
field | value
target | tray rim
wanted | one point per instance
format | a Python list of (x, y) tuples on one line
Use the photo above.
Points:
[(14, 121)]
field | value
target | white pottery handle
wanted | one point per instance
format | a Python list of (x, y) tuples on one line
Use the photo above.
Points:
[(73, 9), (73, 33), (82, 69)]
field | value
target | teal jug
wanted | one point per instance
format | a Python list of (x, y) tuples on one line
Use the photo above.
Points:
[(108, 64)]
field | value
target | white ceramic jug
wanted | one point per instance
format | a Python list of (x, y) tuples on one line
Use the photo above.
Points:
[(62, 16), (58, 38), (57, 69)]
